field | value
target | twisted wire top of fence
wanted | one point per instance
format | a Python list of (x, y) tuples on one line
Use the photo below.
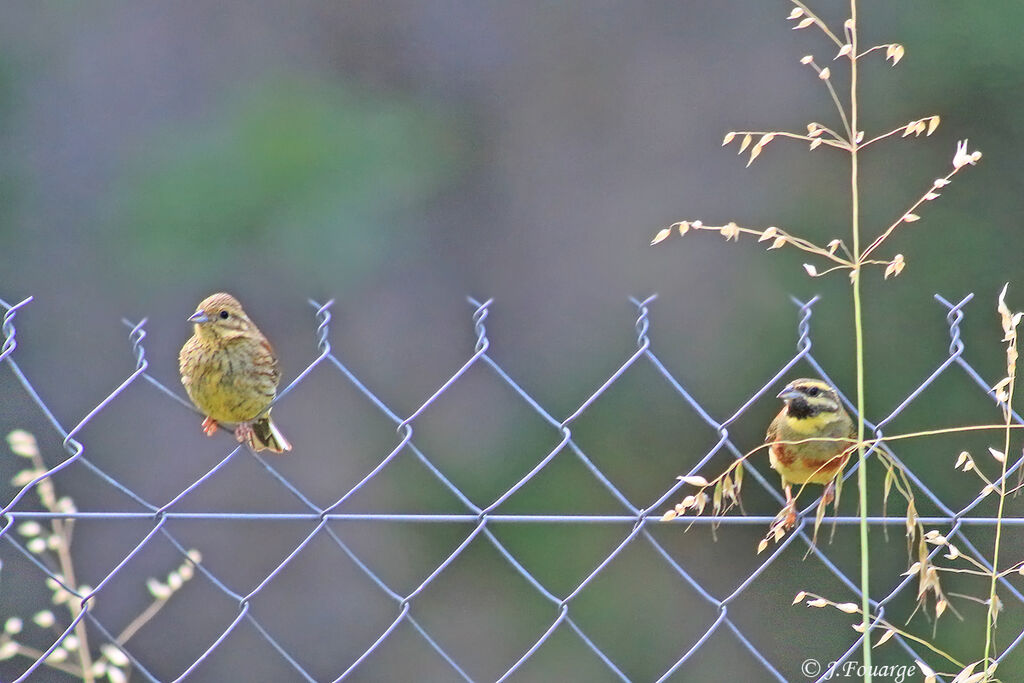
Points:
[(635, 519)]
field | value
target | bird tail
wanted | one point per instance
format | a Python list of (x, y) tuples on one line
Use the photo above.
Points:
[(266, 436)]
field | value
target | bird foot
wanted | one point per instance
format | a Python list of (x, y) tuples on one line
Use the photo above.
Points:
[(790, 511), (245, 434), (782, 523), (209, 426)]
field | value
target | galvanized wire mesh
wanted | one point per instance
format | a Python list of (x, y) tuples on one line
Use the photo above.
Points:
[(636, 519)]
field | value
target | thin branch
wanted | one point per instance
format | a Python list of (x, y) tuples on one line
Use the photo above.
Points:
[(927, 196), (824, 74), (138, 622), (818, 22), (904, 129), (34, 654), (872, 49), (838, 142)]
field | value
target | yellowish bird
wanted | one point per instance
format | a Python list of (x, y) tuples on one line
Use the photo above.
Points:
[(812, 411), (230, 372)]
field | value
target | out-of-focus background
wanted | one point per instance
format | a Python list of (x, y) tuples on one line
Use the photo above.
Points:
[(399, 156)]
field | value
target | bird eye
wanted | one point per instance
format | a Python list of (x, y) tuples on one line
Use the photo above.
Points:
[(812, 391), (224, 315)]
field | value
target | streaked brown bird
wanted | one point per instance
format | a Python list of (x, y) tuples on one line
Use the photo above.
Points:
[(230, 372), (812, 411)]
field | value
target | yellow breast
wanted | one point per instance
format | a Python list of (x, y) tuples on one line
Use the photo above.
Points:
[(816, 462), (811, 426), (222, 384)]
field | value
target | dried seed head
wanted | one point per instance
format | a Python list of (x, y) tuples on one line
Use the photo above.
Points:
[(661, 236), (895, 266), (894, 52), (44, 619), (961, 459), (889, 633), (23, 443), (114, 655), (962, 158)]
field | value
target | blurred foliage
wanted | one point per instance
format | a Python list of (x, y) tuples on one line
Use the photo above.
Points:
[(310, 175)]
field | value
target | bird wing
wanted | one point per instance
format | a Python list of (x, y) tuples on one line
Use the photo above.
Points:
[(266, 363), (186, 360), (853, 434)]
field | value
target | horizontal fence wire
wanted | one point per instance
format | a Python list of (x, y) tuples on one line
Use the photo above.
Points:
[(479, 522)]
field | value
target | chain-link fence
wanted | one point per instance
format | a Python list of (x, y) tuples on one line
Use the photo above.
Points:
[(586, 641)]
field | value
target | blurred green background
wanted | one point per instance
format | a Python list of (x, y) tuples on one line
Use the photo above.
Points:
[(397, 156)]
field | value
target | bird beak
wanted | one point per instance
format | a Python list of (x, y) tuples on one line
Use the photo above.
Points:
[(788, 394), (198, 317)]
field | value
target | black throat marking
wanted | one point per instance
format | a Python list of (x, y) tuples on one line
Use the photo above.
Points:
[(801, 409)]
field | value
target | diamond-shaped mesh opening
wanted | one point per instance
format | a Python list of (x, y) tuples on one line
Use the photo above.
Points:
[(699, 550), (788, 572), (150, 643), (640, 625), (563, 487), (342, 438), (952, 399), (306, 596), (508, 613), (560, 556), (404, 656), (399, 554), (477, 528), (564, 657), (720, 656), (483, 436), (244, 643), (642, 434)]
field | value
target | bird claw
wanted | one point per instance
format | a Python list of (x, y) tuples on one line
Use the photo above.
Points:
[(245, 434), (209, 426), (790, 511)]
